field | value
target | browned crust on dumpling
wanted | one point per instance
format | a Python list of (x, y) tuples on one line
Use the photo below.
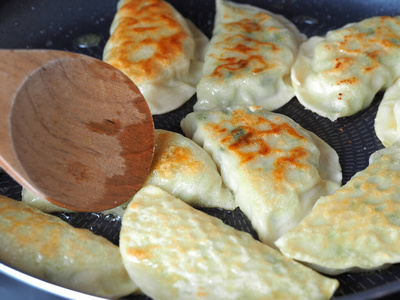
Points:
[(149, 39)]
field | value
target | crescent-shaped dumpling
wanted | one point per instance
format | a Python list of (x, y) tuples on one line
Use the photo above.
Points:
[(339, 75), (357, 227), (46, 247), (159, 50), (248, 59), (185, 170), (173, 251), (275, 168), (180, 167)]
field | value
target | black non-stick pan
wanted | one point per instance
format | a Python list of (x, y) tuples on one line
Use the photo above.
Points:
[(82, 26)]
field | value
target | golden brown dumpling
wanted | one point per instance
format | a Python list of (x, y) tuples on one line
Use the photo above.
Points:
[(158, 49), (46, 247), (173, 251), (357, 227)]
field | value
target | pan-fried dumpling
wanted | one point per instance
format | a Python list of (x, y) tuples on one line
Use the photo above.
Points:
[(180, 166), (358, 227), (387, 120), (173, 251), (158, 49), (184, 169), (248, 59), (46, 247), (339, 74), (31, 199), (275, 168)]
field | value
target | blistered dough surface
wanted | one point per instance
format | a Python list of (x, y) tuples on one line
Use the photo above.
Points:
[(357, 227), (176, 252), (46, 247), (158, 50), (273, 166), (339, 74), (248, 59), (185, 170)]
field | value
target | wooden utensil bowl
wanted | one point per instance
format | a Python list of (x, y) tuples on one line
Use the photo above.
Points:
[(81, 133)]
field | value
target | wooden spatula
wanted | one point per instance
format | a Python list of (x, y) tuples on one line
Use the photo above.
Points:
[(73, 129)]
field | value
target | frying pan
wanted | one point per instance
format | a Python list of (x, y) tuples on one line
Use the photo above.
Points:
[(82, 26)]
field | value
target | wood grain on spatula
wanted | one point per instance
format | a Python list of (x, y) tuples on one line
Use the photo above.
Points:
[(82, 133)]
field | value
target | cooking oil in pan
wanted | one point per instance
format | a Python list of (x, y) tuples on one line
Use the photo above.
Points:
[(302, 19), (88, 40)]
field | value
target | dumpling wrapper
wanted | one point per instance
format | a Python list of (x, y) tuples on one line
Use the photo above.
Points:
[(275, 168), (185, 170), (31, 199), (180, 166), (173, 251), (387, 120), (356, 228), (160, 51), (339, 75), (46, 247), (248, 59)]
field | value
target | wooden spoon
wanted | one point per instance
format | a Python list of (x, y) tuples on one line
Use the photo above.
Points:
[(73, 129)]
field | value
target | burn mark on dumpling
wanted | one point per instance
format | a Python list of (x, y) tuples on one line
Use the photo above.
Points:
[(149, 38), (249, 145), (293, 160), (173, 158), (248, 133), (342, 64), (348, 81), (249, 58), (246, 25), (232, 64)]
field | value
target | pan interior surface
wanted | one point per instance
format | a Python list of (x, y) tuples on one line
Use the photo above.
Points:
[(83, 27)]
